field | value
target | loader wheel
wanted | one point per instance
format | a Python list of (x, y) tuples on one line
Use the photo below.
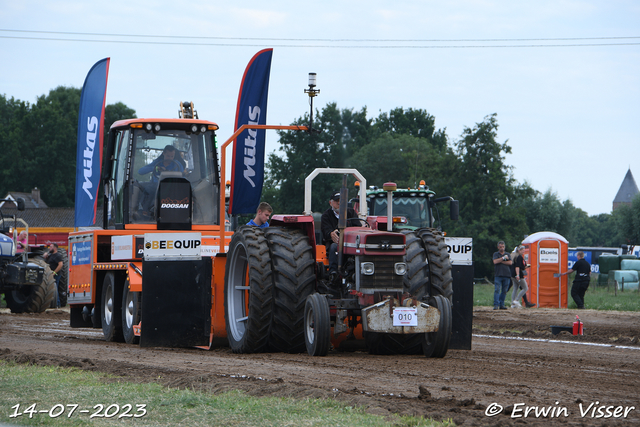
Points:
[(111, 304), (33, 298), (415, 282), (441, 280), (317, 325), (247, 291), (436, 344), (294, 280), (130, 314)]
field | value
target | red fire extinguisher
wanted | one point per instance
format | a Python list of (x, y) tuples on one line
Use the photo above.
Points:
[(577, 326)]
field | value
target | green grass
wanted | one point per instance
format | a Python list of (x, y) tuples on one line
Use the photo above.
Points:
[(596, 298), (46, 387)]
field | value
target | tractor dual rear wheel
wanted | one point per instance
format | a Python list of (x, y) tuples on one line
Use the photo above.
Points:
[(248, 287), (440, 277), (294, 279)]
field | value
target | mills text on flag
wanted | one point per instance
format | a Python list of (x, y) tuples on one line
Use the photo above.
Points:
[(89, 151), (247, 167)]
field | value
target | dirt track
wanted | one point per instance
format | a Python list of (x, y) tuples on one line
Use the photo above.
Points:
[(502, 368)]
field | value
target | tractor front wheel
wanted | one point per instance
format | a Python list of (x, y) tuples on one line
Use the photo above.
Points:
[(436, 344), (317, 325)]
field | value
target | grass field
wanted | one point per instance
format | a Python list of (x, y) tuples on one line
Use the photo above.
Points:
[(57, 390), (596, 298)]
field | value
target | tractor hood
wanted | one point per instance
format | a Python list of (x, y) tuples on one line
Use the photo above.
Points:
[(365, 241)]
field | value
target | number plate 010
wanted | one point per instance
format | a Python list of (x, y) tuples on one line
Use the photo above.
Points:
[(405, 316)]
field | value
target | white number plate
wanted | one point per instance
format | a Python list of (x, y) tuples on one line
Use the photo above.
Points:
[(405, 316)]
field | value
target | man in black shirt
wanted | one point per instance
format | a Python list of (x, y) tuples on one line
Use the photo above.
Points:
[(54, 259), (501, 262), (581, 281), (329, 228)]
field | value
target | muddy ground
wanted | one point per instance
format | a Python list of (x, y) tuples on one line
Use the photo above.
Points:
[(515, 360)]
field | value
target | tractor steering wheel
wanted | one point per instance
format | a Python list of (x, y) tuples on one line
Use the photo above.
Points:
[(362, 221)]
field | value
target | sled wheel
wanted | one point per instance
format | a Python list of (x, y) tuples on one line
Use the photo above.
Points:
[(317, 325), (130, 314), (111, 309)]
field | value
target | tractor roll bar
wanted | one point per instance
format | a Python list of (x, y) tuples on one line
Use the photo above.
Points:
[(354, 172)]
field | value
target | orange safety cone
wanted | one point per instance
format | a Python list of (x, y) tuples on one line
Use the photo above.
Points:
[(577, 326)]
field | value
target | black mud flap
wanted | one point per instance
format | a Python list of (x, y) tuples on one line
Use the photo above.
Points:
[(176, 303), (462, 310)]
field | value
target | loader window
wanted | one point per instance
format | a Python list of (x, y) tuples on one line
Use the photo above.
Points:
[(116, 188), (192, 155)]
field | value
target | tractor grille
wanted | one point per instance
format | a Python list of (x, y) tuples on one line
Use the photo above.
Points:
[(396, 240), (384, 276)]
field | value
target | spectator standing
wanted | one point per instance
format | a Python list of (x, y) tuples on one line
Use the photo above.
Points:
[(262, 215), (519, 283), (54, 259), (581, 281), (502, 273)]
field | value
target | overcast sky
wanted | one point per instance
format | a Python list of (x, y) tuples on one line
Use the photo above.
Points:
[(566, 88)]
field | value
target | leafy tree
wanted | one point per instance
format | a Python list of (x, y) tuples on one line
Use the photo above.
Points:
[(337, 133), (489, 195), (417, 123), (39, 143), (13, 113), (627, 218), (115, 112)]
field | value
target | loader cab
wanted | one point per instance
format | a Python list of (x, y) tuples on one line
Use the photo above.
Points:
[(139, 183)]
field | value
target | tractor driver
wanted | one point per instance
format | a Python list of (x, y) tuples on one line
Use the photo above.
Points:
[(167, 161), (330, 234)]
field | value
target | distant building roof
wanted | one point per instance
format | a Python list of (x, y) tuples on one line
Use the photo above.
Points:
[(31, 200), (628, 190)]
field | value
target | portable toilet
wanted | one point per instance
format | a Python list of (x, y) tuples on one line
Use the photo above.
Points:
[(548, 254)]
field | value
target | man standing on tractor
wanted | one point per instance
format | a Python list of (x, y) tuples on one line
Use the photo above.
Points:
[(330, 234), (262, 216)]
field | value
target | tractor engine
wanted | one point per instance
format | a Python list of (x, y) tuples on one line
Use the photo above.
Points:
[(374, 262)]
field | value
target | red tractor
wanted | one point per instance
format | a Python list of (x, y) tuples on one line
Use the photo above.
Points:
[(278, 295)]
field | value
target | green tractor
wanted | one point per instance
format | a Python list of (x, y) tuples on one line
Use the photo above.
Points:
[(412, 215)]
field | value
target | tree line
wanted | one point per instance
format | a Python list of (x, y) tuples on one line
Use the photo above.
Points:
[(403, 145), (39, 143)]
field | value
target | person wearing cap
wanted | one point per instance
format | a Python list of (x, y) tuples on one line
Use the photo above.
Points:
[(517, 278), (330, 234)]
